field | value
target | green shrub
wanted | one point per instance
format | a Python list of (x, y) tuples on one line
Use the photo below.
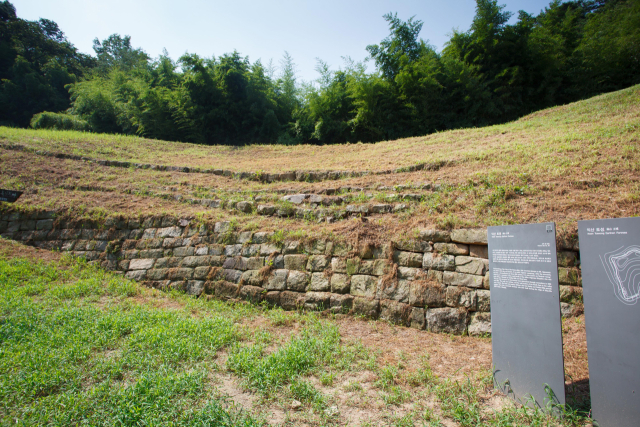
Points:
[(59, 121)]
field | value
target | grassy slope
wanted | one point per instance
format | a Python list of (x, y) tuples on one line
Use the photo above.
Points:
[(598, 135), (82, 346), (579, 161)]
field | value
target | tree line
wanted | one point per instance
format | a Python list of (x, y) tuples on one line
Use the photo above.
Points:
[(494, 72)]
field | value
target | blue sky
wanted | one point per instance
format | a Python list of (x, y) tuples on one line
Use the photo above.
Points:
[(328, 29)]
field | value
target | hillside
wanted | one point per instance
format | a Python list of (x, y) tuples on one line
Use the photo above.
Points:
[(562, 164)]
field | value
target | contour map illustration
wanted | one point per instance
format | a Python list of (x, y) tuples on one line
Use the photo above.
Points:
[(623, 269)]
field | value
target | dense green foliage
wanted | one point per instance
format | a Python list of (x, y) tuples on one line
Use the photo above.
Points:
[(492, 73)]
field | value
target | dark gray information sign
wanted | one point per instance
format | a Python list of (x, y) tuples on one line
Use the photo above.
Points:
[(526, 325), (9, 195), (610, 259)]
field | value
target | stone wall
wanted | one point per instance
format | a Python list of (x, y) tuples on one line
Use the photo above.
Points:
[(438, 281)]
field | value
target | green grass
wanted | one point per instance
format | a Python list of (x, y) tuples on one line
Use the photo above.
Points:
[(76, 348)]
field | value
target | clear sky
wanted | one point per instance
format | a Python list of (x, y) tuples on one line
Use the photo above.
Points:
[(325, 29)]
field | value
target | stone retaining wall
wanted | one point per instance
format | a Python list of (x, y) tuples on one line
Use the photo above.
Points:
[(438, 281)]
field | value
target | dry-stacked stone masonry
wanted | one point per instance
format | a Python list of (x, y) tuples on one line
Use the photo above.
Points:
[(438, 281)]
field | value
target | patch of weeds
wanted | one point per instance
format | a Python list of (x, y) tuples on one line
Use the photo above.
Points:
[(353, 386), (423, 375), (327, 378), (395, 396), (305, 392), (387, 377), (317, 345)]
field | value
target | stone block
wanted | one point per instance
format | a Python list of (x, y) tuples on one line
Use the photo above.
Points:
[(149, 244), (341, 303), (413, 246), (195, 287), (202, 250), (272, 298), (395, 312), (136, 275), (435, 236), (341, 249), (484, 300), (318, 262), (451, 248), (408, 259), (14, 226), (141, 264), (408, 273), (397, 290), (44, 224), (278, 262), (249, 251), (469, 265), (340, 283), (291, 300), (479, 251), (169, 232), (317, 301), (216, 249), (319, 283), (457, 296), (28, 225), (292, 247), (338, 265), (262, 237), (427, 294), (252, 278), (470, 236), (180, 274), (266, 210), (297, 280), (295, 262), (149, 233), (381, 208), (447, 320), (233, 250), (571, 294), (172, 242), (201, 273), (567, 259), (486, 281), (226, 290), (452, 278), (144, 253), (480, 324), (157, 274), (316, 247), (364, 286), (253, 294), (185, 251), (437, 261), (267, 249), (418, 318), (277, 280), (569, 276), (245, 206), (367, 307), (195, 261), (353, 265), (222, 227), (569, 310)]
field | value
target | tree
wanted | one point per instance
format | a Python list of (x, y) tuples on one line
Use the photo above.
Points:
[(402, 44)]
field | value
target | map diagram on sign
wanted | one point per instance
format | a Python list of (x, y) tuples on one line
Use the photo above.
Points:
[(623, 269)]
